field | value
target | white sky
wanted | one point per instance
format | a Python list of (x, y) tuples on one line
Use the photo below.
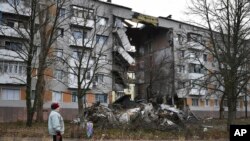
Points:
[(176, 8)]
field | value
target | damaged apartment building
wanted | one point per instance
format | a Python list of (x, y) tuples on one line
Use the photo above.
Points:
[(86, 32), (148, 58)]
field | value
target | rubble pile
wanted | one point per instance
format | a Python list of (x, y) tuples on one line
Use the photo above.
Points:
[(141, 115)]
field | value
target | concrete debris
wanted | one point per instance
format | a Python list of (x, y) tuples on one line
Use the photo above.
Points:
[(143, 115)]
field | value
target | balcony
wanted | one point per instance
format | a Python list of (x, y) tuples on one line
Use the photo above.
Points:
[(197, 92), (195, 75), (12, 78), (80, 42), (13, 32), (22, 8), (195, 45), (82, 22)]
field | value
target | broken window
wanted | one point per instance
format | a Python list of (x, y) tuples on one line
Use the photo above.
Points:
[(194, 37), (118, 22), (102, 20)]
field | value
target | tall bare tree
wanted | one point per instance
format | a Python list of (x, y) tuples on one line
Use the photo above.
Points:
[(49, 19), (91, 51), (40, 20), (227, 31)]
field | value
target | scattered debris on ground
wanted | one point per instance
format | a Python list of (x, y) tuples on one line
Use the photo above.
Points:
[(130, 114)]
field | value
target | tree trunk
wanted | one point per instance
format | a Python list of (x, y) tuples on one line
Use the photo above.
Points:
[(40, 90), (80, 109), (221, 107), (29, 112), (231, 109), (245, 103)]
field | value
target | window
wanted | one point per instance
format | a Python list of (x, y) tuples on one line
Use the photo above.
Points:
[(83, 12), (78, 35), (87, 74), (62, 12), (195, 68), (194, 37), (13, 46), (103, 58), (195, 102), (225, 103), (102, 98), (180, 39), (60, 32), (14, 23), (205, 57), (14, 2), (1, 17), (181, 85), (12, 67), (207, 102), (74, 97), (58, 74), (182, 53), (10, 23), (59, 53), (33, 93), (180, 26), (101, 40), (102, 20), (216, 102), (77, 54), (118, 22), (57, 97), (99, 77), (10, 94), (181, 68)]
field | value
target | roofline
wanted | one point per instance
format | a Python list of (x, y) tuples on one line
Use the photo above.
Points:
[(110, 3), (183, 23)]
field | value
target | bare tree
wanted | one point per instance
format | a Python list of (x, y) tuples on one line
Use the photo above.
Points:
[(90, 54), (227, 31), (36, 32), (50, 21)]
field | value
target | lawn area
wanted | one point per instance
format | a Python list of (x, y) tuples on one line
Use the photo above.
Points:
[(216, 129)]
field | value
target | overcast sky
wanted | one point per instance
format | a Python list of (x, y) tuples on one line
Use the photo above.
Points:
[(157, 7)]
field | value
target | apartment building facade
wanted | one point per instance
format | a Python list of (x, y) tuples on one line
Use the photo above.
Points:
[(192, 65), (83, 24)]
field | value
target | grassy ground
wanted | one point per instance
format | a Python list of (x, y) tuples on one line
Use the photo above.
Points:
[(216, 129)]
